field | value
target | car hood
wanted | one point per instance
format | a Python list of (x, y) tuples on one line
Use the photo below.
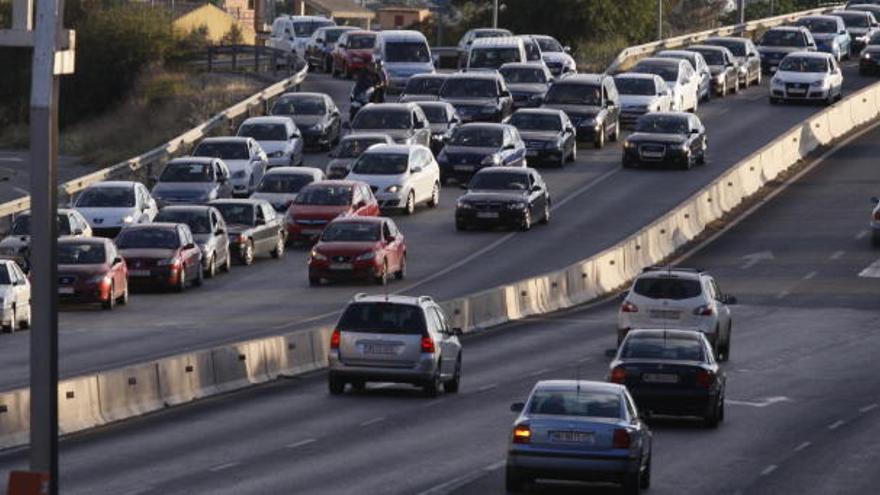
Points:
[(340, 163), (589, 111), (487, 195), (438, 128), (406, 69), (276, 199), (183, 188), (318, 212), (399, 135), (237, 165), (305, 121), (530, 88), (147, 253), (779, 49), (380, 181), (824, 36), (656, 138), (345, 248), (411, 98), (467, 151), (81, 270), (717, 69), (472, 102), (637, 100), (15, 241), (557, 57), (238, 228), (799, 77), (539, 135), (106, 217), (273, 146)]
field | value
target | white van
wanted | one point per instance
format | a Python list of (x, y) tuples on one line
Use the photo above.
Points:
[(403, 54), (291, 32), (492, 53)]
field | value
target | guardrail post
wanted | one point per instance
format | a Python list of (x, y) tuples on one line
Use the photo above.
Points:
[(258, 51), (210, 59)]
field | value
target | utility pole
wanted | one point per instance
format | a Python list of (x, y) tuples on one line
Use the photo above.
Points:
[(659, 20), (741, 11), (495, 15)]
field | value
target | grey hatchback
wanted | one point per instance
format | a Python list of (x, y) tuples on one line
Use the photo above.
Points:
[(400, 339), (208, 230)]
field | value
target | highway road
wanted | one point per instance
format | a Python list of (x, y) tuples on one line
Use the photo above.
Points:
[(597, 204), (15, 173), (803, 395)]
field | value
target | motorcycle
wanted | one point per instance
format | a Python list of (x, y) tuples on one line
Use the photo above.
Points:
[(359, 101)]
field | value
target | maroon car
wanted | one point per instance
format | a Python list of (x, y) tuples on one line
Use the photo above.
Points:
[(161, 254), (90, 270), (366, 248), (320, 202), (353, 51)]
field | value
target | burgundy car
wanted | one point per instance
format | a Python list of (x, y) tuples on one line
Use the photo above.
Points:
[(90, 270), (353, 51), (320, 202), (366, 248), (161, 254)]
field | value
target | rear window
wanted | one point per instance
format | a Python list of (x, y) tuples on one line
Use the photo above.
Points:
[(574, 403), (663, 349), (390, 318), (667, 288)]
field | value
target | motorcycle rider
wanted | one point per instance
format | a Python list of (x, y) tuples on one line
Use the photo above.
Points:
[(369, 78)]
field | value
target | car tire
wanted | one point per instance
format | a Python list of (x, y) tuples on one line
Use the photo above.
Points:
[(247, 257), (460, 226), (278, 252), (211, 271), (123, 299), (181, 282), (513, 481), (645, 482), (701, 160), (26, 323), (453, 385), (400, 274), (712, 418), (382, 278), (110, 303), (723, 91), (526, 224), (774, 101), (615, 136), (435, 196), (599, 142), (410, 207), (875, 239), (759, 78), (574, 153), (632, 484), (227, 265), (545, 217), (200, 278), (335, 385), (432, 387)]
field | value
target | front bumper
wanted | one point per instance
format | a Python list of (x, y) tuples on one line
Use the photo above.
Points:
[(670, 156), (544, 154), (869, 65), (567, 465), (155, 276), (82, 293), (313, 139), (805, 94), (505, 216), (390, 200), (351, 270)]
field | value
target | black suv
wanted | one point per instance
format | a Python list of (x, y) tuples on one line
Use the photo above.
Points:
[(591, 102)]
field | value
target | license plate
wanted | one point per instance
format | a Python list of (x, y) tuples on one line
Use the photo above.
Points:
[(139, 273), (572, 436), (652, 154), (378, 349), (659, 378), (487, 214), (66, 290), (465, 168), (665, 315), (531, 152), (341, 266), (797, 91)]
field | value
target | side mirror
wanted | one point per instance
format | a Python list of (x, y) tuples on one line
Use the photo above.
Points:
[(189, 246), (220, 231), (260, 221), (695, 131), (415, 170), (535, 188), (458, 332), (505, 94), (517, 407), (117, 260), (566, 49), (77, 231), (464, 186)]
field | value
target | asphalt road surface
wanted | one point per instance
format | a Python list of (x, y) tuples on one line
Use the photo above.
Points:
[(15, 168)]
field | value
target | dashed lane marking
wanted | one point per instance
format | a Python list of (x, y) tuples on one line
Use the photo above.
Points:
[(802, 446), (769, 401), (373, 421), (223, 467), (836, 255), (837, 424), (872, 271), (869, 407), (456, 483), (486, 388), (301, 443), (769, 469), (861, 235), (810, 275)]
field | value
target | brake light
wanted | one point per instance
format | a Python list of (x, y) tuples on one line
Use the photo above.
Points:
[(335, 338), (705, 378), (629, 307), (621, 439), (618, 375), (705, 310), (427, 344), (877, 215), (522, 434)]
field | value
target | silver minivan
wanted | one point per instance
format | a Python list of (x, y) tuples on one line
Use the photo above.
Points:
[(402, 55), (400, 339)]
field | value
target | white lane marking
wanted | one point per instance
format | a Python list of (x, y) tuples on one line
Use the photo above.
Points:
[(456, 483), (493, 467), (222, 467), (837, 424), (836, 255), (755, 258), (486, 388), (872, 271), (783, 294), (301, 443), (15, 159), (810, 275), (802, 446), (373, 421), (869, 407), (539, 372), (140, 490), (769, 469), (769, 401), (861, 235)]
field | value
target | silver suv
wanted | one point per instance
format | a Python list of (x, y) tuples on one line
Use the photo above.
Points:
[(678, 298), (398, 339)]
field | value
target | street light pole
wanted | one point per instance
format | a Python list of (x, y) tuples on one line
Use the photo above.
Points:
[(659, 20), (495, 15), (741, 11)]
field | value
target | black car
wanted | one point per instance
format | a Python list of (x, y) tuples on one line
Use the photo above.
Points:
[(423, 87), (778, 42), (548, 134), (591, 103), (253, 227), (474, 146), (869, 62), (443, 119), (478, 96), (316, 116), (527, 82), (723, 67), (666, 138), (671, 372), (504, 196)]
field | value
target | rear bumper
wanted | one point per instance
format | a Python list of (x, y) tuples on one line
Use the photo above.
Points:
[(673, 402), (512, 218), (419, 373), (567, 466)]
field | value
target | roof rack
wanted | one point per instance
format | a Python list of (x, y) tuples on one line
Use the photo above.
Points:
[(359, 296), (426, 299), (670, 268)]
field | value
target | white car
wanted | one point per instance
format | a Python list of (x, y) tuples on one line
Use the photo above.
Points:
[(679, 76), (641, 94), (291, 32), (805, 76), (111, 205), (15, 297), (556, 56), (245, 158), (875, 222), (281, 185), (678, 298), (16, 245), (401, 176), (278, 136)]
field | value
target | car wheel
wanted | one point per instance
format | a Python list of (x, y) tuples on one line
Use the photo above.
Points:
[(110, 303), (200, 278), (410, 206), (432, 387), (545, 216), (526, 221), (123, 299), (875, 239), (346, 72), (600, 140), (211, 271), (227, 265), (774, 101), (314, 281), (335, 385), (26, 323), (460, 226), (712, 417), (452, 386), (701, 160), (435, 196), (574, 153), (513, 481), (689, 162), (278, 252), (696, 105), (645, 482), (401, 272), (758, 78), (382, 278), (723, 91), (616, 134), (181, 282), (632, 483), (328, 65), (247, 256)]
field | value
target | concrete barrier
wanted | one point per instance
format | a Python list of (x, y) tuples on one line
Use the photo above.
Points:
[(298, 353), (186, 377), (14, 418), (79, 404), (128, 392), (239, 365)]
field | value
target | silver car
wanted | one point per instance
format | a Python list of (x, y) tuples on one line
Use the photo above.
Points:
[(209, 231), (400, 339), (579, 431)]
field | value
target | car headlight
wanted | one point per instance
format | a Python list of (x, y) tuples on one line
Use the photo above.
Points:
[(276, 154), (491, 160), (819, 84), (866, 55), (393, 189), (629, 144), (316, 255), (682, 147), (464, 205), (168, 262), (518, 205), (128, 219), (558, 144), (366, 256), (318, 127), (776, 83)]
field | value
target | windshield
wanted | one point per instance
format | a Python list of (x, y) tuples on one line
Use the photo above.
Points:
[(575, 403), (503, 181), (351, 232), (198, 221), (284, 183), (803, 64), (324, 196), (436, 114), (662, 124), (635, 86), (382, 118), (854, 20), (713, 57), (381, 164), (86, 253), (361, 41), (549, 45), (224, 150), (353, 147), (574, 94), (822, 26), (187, 172), (331, 35), (491, 34), (536, 122), (737, 48), (492, 58), (783, 38), (146, 238), (523, 75), (424, 86), (875, 39), (669, 72), (667, 288), (264, 132), (407, 52), (469, 88), (22, 225), (241, 214), (299, 106), (380, 317), (109, 197), (480, 137), (669, 348), (304, 29), (533, 51)]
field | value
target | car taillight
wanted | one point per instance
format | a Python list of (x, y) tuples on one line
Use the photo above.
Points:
[(705, 378), (427, 344), (877, 216), (629, 307), (704, 310), (621, 439), (522, 434), (335, 338), (618, 375)]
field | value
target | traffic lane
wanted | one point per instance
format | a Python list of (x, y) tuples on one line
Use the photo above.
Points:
[(15, 168)]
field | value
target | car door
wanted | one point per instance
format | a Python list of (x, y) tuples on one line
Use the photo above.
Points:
[(219, 236), (117, 270), (275, 223), (262, 230), (612, 104), (724, 318), (389, 248), (399, 243), (424, 177), (449, 348), (19, 287), (221, 176), (835, 74), (536, 196), (367, 206)]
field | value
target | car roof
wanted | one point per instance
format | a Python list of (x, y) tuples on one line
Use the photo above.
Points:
[(678, 53), (499, 170), (675, 272), (504, 41), (788, 28), (396, 149), (737, 39), (489, 30), (669, 114), (661, 61), (268, 119), (81, 240), (114, 183), (582, 385), (308, 18), (863, 13), (714, 48), (476, 75), (293, 171), (367, 135), (636, 75), (359, 219), (153, 225), (390, 106), (236, 201), (335, 182), (303, 94), (192, 159), (665, 333), (484, 125), (540, 111), (228, 139), (822, 55), (523, 65), (391, 298), (582, 79), (402, 34), (191, 208), (820, 17), (434, 75)]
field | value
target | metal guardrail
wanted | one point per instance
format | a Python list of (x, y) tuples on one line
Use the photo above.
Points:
[(247, 57)]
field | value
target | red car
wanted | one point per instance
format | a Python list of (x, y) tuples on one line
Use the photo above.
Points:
[(90, 270), (367, 248), (353, 51), (162, 254), (320, 202)]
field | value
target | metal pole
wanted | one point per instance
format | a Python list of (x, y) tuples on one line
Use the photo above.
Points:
[(44, 280), (741, 11), (495, 15), (659, 20)]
